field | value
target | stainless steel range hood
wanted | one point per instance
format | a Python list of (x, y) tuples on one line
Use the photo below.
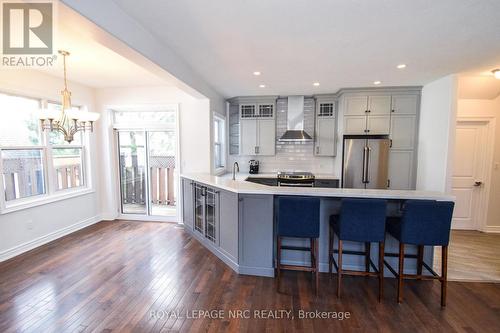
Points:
[(295, 121)]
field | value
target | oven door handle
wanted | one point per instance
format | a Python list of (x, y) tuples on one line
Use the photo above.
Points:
[(285, 184)]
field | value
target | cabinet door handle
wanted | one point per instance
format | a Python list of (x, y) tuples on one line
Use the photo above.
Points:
[(388, 183), (390, 143), (255, 149), (393, 110), (317, 149), (366, 111), (258, 149)]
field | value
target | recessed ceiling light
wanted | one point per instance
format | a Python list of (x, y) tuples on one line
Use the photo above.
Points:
[(316, 84), (496, 72), (377, 82), (262, 85), (401, 66), (256, 73)]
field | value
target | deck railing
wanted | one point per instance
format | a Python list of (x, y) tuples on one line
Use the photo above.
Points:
[(23, 177), (162, 182)]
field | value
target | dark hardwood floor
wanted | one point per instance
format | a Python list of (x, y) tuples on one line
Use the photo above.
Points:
[(124, 276)]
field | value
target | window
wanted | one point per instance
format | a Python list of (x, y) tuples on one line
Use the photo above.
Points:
[(219, 143), (247, 110), (22, 173), (35, 163), (165, 117), (67, 158), (326, 110)]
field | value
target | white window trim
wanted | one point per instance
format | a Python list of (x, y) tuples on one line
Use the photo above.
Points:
[(219, 170), (52, 194)]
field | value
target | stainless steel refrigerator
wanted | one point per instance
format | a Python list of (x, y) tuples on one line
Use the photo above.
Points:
[(365, 161)]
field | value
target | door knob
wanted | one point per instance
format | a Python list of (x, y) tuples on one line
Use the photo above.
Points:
[(478, 183)]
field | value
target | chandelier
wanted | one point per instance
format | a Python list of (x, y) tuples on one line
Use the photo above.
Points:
[(67, 121)]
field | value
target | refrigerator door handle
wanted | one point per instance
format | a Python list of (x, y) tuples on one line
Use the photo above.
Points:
[(365, 164), (367, 177)]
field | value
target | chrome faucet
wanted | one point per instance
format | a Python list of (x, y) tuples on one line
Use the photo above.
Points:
[(236, 168)]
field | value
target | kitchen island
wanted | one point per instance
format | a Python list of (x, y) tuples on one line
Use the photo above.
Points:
[(235, 220)]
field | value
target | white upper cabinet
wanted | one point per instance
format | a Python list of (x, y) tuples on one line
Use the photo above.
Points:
[(378, 124), (257, 129), (266, 143), (379, 105), (356, 106), (325, 133), (367, 114), (248, 136), (404, 104), (355, 125)]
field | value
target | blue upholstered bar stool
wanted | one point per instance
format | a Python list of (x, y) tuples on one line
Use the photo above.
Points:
[(298, 217), (424, 222), (360, 220)]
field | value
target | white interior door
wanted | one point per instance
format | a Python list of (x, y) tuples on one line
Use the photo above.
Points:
[(469, 173)]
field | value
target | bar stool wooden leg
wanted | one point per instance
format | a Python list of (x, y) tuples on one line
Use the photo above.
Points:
[(400, 273), (420, 259), (444, 274), (380, 270), (278, 262), (339, 270), (330, 249), (316, 264), (367, 256)]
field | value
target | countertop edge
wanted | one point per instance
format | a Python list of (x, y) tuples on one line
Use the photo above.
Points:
[(241, 186)]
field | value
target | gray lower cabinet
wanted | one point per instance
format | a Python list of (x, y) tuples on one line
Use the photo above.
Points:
[(256, 235), (206, 212), (328, 183), (228, 224), (188, 202)]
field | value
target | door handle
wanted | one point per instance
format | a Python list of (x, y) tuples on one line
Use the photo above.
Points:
[(478, 183), (365, 165)]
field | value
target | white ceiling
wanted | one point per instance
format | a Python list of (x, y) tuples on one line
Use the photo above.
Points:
[(338, 43), (94, 65)]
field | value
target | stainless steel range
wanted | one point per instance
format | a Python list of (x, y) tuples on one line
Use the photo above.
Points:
[(296, 179)]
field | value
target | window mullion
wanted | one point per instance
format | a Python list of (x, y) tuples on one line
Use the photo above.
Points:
[(51, 173)]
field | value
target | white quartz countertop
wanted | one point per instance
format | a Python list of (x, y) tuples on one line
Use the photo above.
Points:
[(241, 186)]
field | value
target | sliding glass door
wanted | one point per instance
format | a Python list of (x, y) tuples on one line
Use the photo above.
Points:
[(148, 175)]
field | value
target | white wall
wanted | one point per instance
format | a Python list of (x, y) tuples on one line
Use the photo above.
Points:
[(488, 108), (194, 124), (50, 220), (437, 135)]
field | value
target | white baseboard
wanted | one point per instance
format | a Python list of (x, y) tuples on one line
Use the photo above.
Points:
[(19, 249), (494, 229)]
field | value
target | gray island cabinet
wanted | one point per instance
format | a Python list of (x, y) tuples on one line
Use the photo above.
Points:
[(242, 221), (235, 220)]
